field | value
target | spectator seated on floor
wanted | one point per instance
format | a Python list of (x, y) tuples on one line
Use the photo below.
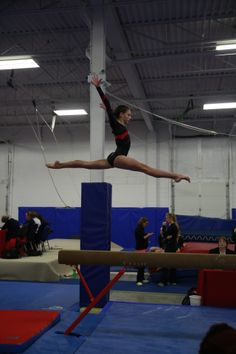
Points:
[(201, 247), (36, 229), (222, 247), (11, 226), (42, 232), (42, 235), (29, 229), (13, 245)]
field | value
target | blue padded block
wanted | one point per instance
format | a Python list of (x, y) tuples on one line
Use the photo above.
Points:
[(95, 235)]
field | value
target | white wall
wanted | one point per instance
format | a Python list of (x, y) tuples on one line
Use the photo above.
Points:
[(204, 159), (5, 153)]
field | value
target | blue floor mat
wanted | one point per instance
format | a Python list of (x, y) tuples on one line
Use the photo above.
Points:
[(33, 295), (182, 286), (185, 281), (160, 329), (151, 287), (120, 328), (55, 342)]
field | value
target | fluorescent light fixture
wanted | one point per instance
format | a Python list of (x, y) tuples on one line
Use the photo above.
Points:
[(54, 118), (70, 112), (17, 62), (229, 44), (223, 105), (226, 46)]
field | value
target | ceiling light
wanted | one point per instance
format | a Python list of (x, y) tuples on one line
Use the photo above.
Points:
[(17, 62), (71, 112), (226, 46), (223, 105)]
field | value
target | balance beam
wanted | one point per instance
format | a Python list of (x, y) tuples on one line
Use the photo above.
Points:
[(149, 259)]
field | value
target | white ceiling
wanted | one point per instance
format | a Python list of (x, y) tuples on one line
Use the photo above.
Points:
[(160, 57)]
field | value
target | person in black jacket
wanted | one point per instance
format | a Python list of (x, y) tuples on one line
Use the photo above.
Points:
[(169, 233), (222, 247), (141, 239), (118, 120), (11, 225)]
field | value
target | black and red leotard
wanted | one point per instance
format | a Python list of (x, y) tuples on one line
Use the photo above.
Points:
[(119, 130)]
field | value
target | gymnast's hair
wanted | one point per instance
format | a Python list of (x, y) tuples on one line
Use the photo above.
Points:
[(120, 109)]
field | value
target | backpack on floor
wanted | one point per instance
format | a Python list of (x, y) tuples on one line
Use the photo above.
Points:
[(186, 299), (12, 253), (34, 253)]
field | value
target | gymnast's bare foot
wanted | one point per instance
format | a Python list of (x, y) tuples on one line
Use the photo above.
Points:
[(179, 178), (54, 165)]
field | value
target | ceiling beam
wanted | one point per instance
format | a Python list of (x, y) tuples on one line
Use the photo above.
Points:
[(42, 11), (181, 19), (163, 54), (119, 43), (43, 31), (208, 95)]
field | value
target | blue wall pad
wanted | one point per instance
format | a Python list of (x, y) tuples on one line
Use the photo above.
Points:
[(95, 235), (199, 228), (124, 222), (234, 215), (65, 222)]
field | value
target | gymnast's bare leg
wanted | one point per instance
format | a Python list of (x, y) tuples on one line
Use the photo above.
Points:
[(89, 165), (129, 163), (122, 162)]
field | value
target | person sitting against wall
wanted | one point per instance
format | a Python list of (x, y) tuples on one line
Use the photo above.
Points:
[(29, 229), (39, 221), (44, 229), (170, 235), (11, 225), (222, 247), (141, 238)]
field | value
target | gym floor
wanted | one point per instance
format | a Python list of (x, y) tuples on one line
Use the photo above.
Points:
[(143, 321)]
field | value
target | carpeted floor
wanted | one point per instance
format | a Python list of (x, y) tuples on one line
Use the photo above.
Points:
[(121, 327), (137, 320)]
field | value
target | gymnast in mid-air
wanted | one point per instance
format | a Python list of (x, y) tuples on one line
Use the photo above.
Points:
[(118, 120)]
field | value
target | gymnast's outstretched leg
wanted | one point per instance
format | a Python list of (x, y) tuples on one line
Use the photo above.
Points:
[(129, 163), (122, 162), (90, 165)]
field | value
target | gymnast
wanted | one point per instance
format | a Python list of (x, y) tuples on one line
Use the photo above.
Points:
[(118, 120)]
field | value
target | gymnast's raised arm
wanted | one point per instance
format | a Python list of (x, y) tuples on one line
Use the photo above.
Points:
[(97, 82)]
